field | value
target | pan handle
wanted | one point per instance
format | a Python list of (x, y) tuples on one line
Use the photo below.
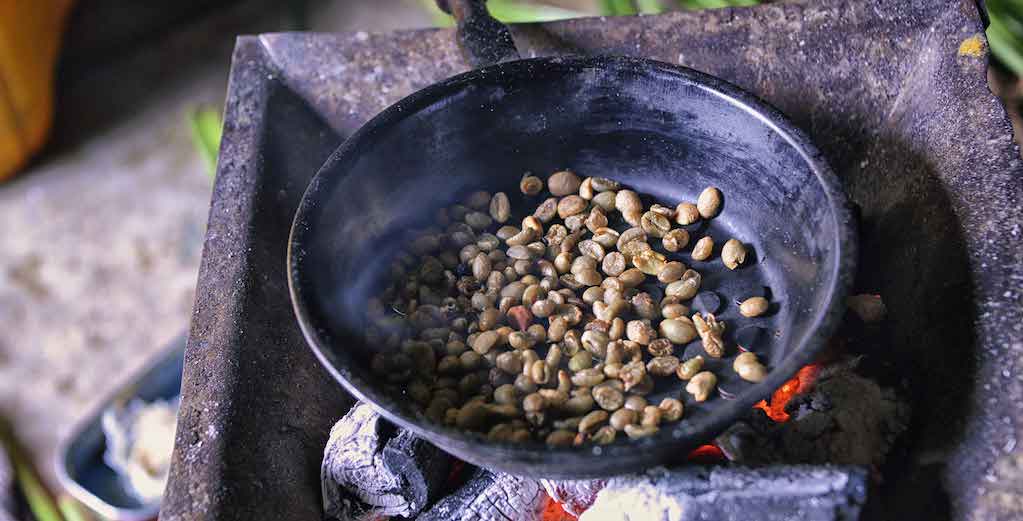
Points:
[(483, 40)]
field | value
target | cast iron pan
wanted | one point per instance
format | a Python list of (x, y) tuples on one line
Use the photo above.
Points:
[(666, 131)]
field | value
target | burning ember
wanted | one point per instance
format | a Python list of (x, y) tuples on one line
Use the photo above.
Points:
[(706, 454), (799, 384), (552, 511)]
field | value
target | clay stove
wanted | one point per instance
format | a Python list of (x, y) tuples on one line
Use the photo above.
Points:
[(888, 91)]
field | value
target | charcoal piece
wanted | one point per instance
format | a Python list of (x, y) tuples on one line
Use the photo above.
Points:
[(490, 496), (574, 495), (371, 469), (807, 493)]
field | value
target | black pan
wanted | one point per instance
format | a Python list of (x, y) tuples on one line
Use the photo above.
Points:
[(666, 131)]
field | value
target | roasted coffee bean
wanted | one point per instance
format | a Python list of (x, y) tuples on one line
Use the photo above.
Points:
[(592, 249), (606, 237), (632, 374), (634, 234), (543, 308), (644, 306), (534, 403), (674, 311), (753, 307), (470, 360), (579, 361), (623, 417), (634, 248), (571, 205), (537, 332), (701, 385), (663, 365), (690, 368), (592, 421), (639, 331), (524, 384), (575, 224), (733, 254), (749, 368), (531, 185), (687, 287), (655, 224), (595, 342), (617, 329), (709, 203), (481, 267), (660, 347), (510, 362), (686, 213), (671, 409), (632, 277), (636, 432), (506, 394), (635, 403), (540, 372), (500, 207), (606, 201), (586, 189), (485, 342), (603, 184), (710, 331), (593, 294), (563, 183), (678, 330), (547, 210), (478, 220), (650, 417), (560, 438), (608, 398), (703, 249), (605, 434), (596, 220), (671, 272), (588, 377), (628, 201)]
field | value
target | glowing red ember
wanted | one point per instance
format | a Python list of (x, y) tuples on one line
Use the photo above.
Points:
[(706, 454), (552, 511), (799, 384)]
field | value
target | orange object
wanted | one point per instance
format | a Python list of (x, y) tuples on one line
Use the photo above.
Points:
[(30, 34), (799, 384)]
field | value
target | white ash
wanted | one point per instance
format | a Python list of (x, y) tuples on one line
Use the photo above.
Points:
[(351, 487), (574, 496)]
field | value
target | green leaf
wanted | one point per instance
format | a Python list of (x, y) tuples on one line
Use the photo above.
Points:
[(507, 11), (72, 510), (617, 7), (38, 498), (206, 126), (715, 4), (1005, 32), (650, 6)]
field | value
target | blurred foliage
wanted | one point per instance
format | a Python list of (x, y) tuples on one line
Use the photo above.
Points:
[(1005, 33), (206, 125), (517, 11)]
